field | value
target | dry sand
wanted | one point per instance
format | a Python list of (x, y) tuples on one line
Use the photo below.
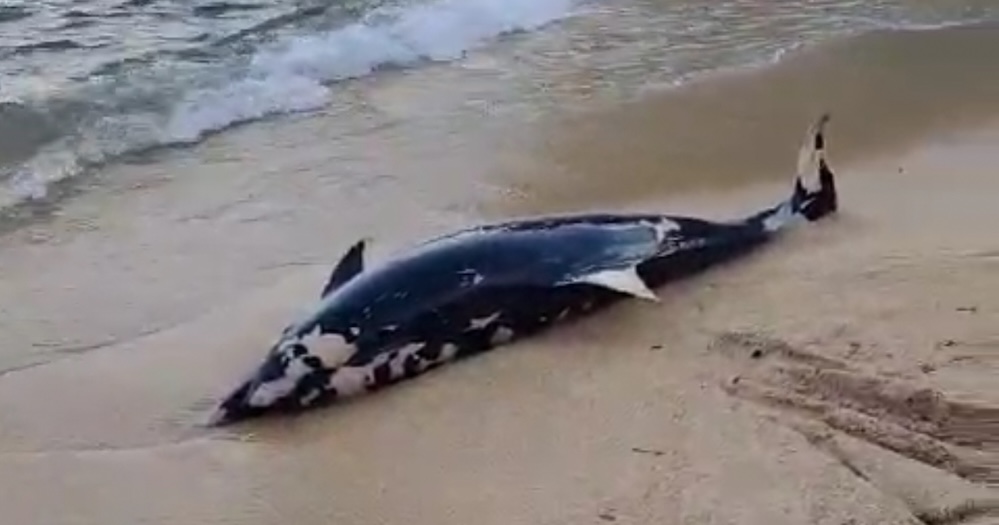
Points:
[(845, 375)]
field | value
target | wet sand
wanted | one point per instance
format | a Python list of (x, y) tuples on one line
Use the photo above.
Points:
[(844, 375), (889, 90)]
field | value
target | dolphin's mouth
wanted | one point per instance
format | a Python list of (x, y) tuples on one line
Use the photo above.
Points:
[(270, 389), (236, 407)]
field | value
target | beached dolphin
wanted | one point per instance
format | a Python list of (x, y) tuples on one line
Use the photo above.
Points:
[(464, 293)]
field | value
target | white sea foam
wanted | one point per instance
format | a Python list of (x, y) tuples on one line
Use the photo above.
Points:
[(248, 99), (26, 186), (293, 76)]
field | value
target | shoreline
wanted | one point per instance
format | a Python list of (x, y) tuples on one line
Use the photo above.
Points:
[(905, 98), (887, 91)]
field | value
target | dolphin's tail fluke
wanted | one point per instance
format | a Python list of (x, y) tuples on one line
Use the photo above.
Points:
[(810, 204), (815, 204)]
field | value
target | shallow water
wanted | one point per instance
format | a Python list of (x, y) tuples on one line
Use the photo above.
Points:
[(88, 81)]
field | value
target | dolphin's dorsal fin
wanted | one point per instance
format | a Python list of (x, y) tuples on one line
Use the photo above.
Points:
[(351, 264), (624, 280)]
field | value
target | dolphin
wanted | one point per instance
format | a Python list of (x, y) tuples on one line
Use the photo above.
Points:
[(463, 293)]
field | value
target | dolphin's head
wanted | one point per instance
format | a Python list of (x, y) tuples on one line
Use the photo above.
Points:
[(290, 378)]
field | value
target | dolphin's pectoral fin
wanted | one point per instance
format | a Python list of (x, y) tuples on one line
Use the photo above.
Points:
[(624, 280), (351, 264)]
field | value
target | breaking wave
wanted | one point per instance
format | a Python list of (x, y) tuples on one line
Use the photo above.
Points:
[(292, 75), (258, 58)]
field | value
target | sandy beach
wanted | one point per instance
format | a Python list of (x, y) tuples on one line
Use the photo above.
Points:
[(843, 375)]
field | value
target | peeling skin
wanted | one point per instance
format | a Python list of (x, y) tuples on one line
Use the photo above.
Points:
[(502, 335), (483, 322)]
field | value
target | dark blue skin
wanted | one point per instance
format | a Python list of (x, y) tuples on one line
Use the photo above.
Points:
[(468, 292)]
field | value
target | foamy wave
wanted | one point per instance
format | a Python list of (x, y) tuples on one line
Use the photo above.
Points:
[(26, 186), (285, 78), (248, 99), (292, 77)]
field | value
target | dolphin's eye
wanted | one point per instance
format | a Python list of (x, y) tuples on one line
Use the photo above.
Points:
[(313, 361)]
